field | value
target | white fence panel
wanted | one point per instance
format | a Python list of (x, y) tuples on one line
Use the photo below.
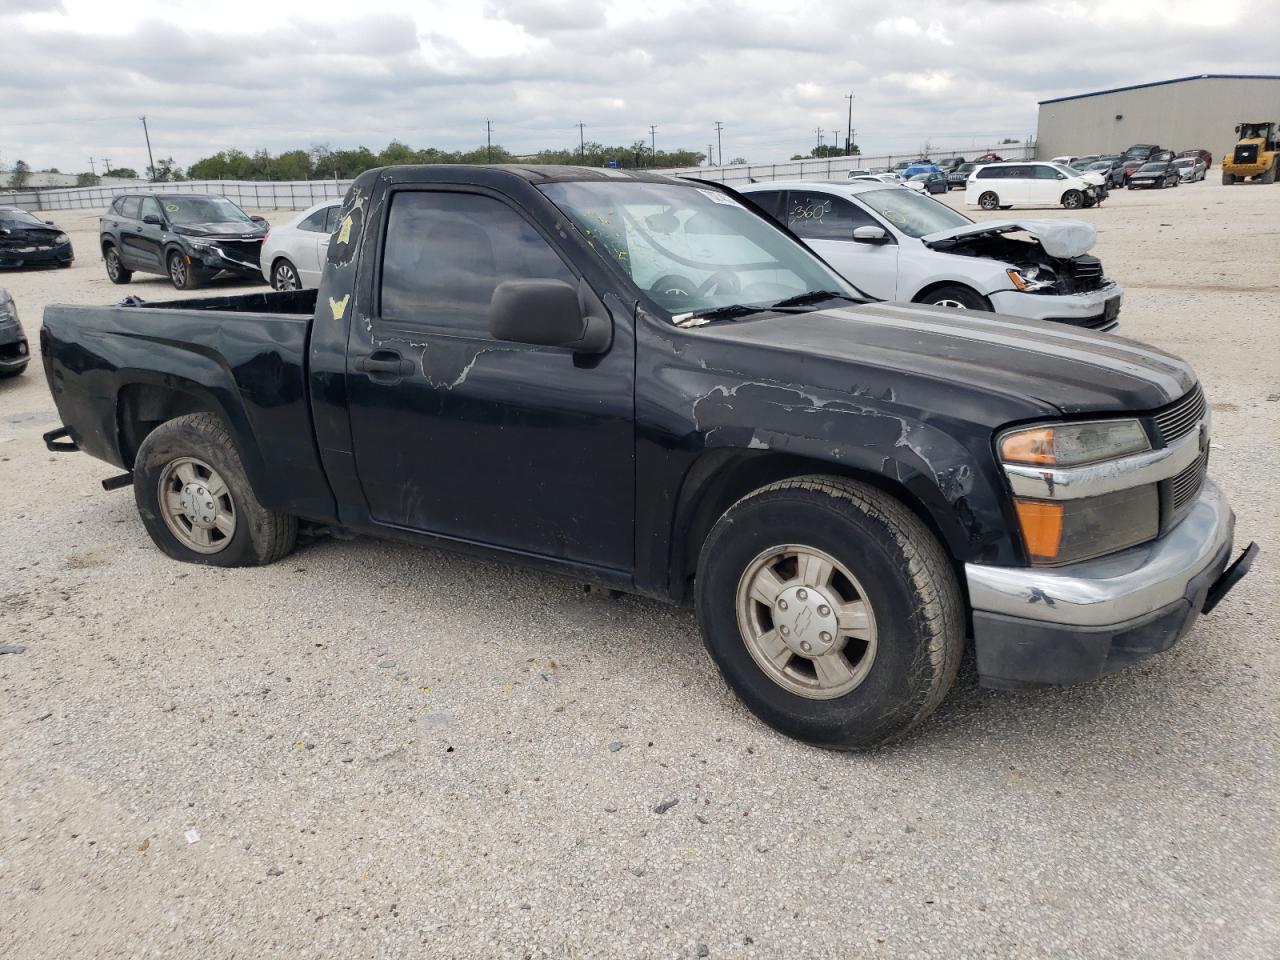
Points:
[(258, 194)]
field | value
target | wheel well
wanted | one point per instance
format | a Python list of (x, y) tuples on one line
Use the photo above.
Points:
[(107, 244), (141, 407), (738, 473), (943, 284)]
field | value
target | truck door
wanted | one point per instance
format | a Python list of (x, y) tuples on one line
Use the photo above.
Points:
[(456, 434)]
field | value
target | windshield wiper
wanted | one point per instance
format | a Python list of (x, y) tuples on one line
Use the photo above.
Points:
[(719, 313), (813, 296)]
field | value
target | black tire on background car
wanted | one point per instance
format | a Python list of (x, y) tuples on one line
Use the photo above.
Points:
[(989, 201), (183, 274), (284, 276), (956, 296), (116, 271), (1072, 199), (196, 502), (830, 610)]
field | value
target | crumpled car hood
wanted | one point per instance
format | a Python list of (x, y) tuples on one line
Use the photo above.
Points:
[(1059, 238)]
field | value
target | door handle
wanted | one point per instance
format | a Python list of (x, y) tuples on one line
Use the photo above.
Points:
[(384, 364)]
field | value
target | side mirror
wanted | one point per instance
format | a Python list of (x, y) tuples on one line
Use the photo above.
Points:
[(258, 219), (870, 235), (1062, 176), (549, 313), (50, 223), (152, 219)]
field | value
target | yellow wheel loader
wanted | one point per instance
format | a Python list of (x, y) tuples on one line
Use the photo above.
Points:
[(1256, 154)]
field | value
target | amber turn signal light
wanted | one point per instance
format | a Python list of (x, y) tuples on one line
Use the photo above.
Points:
[(1029, 446), (1041, 527)]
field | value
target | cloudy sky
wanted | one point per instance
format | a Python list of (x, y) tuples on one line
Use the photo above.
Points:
[(75, 75)]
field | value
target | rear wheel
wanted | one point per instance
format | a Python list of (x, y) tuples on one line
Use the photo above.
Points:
[(989, 201), (1270, 175), (830, 610), (957, 297), (196, 502), (116, 271), (284, 276), (1228, 178)]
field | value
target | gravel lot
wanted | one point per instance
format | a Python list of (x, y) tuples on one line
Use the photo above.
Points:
[(390, 751)]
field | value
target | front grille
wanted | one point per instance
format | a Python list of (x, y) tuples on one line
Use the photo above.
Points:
[(1182, 417), (1187, 483), (250, 250), (1083, 274), (1246, 153)]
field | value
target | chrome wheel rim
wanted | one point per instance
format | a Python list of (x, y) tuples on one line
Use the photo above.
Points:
[(113, 265), (285, 277), (953, 304), (177, 271), (1071, 202), (806, 621), (196, 505)]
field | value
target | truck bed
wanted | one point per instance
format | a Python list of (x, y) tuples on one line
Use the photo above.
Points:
[(115, 372)]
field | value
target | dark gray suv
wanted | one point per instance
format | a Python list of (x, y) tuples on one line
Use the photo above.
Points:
[(189, 238)]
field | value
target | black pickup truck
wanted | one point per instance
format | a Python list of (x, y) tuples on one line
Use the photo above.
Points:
[(649, 384)]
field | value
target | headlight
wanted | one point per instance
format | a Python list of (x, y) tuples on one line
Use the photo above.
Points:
[(61, 238), (1073, 444), (1066, 526), (1032, 279), (200, 244)]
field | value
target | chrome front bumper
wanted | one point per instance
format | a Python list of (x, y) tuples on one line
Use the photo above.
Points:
[(1073, 623)]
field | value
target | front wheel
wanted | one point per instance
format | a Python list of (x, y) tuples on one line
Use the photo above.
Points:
[(831, 611), (957, 297), (989, 201), (196, 502), (116, 271), (1072, 199), (183, 274)]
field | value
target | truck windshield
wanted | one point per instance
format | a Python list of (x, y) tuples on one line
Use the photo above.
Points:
[(187, 210), (912, 213), (692, 249)]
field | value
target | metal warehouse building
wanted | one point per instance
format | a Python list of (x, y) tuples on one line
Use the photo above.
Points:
[(1181, 114)]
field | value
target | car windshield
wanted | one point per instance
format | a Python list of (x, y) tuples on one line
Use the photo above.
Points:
[(1151, 168), (20, 216), (692, 249), (1099, 165), (922, 176), (188, 210), (1186, 162), (915, 214)]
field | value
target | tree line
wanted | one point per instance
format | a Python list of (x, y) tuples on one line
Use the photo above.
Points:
[(322, 163)]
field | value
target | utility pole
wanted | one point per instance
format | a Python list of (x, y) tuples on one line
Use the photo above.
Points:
[(150, 159), (582, 142), (719, 143), (92, 169), (710, 155), (488, 138), (848, 136), (819, 136), (106, 162), (653, 142)]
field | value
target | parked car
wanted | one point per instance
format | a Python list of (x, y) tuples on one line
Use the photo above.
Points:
[(1004, 185), (989, 157), (1200, 152), (1112, 172), (854, 174), (918, 168), (1190, 169), (1141, 151), (697, 405), (14, 352), (293, 255), (935, 182), (1068, 161), (1158, 174), (1162, 156), (188, 237), (900, 245), (28, 241), (902, 165), (950, 164), (957, 177)]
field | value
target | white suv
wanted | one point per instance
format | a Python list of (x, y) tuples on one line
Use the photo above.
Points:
[(999, 186), (897, 244)]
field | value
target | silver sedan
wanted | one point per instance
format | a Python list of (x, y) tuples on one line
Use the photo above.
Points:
[(293, 255)]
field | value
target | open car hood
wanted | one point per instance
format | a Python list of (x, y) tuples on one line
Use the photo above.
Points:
[(1059, 238)]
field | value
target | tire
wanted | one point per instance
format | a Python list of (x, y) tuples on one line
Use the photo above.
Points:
[(112, 258), (284, 275), (989, 201), (183, 274), (1072, 200), (956, 296), (1228, 179), (902, 583), (189, 456), (1270, 175)]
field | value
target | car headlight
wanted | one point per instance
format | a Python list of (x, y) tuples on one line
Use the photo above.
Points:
[(1066, 527), (200, 244), (1033, 278), (61, 238)]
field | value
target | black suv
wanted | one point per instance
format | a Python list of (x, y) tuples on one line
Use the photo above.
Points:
[(190, 238)]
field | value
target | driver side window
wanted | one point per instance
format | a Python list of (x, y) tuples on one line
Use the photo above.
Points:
[(820, 216), (151, 207)]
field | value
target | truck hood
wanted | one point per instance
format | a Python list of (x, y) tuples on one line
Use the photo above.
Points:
[(1032, 364), (1059, 238)]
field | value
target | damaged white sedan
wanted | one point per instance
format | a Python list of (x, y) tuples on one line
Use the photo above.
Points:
[(897, 244)]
